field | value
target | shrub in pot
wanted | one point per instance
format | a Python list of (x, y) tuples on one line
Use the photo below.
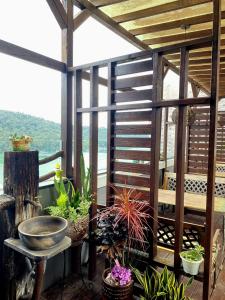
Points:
[(191, 259), (72, 204), (161, 286), (118, 226), (20, 143)]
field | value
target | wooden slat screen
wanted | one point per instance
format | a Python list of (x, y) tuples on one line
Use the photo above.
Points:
[(198, 141)]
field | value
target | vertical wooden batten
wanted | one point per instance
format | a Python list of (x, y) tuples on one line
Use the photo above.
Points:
[(155, 151), (110, 133), (212, 146), (77, 137), (180, 161), (67, 90), (93, 166)]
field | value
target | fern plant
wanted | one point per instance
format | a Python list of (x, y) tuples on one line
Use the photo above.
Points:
[(161, 286)]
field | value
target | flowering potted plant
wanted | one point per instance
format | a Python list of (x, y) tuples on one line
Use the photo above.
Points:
[(191, 259), (20, 143), (72, 204), (118, 227)]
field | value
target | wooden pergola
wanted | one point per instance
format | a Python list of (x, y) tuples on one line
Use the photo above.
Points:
[(184, 36)]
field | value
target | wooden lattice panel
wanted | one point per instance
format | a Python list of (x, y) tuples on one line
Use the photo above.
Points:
[(195, 184), (192, 235)]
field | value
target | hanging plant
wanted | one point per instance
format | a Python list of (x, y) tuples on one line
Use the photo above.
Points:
[(190, 116)]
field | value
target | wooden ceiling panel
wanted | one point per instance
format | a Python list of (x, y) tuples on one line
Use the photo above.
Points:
[(132, 6), (155, 10), (169, 17)]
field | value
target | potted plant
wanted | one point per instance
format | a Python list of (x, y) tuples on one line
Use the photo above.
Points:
[(118, 227), (162, 285), (191, 259), (20, 143), (72, 204)]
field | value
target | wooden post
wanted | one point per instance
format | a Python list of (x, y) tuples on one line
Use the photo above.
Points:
[(67, 90), (21, 174), (180, 161), (212, 147), (155, 152), (93, 165)]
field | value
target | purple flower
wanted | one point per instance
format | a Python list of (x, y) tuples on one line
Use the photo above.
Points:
[(121, 274)]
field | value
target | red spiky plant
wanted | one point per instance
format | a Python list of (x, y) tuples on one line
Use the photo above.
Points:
[(128, 208)]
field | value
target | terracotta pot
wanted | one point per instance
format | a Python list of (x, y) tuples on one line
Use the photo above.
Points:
[(111, 292), (20, 145), (77, 231)]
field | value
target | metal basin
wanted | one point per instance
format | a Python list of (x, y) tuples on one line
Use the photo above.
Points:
[(41, 233)]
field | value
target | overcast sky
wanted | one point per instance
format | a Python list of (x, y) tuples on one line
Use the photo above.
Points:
[(35, 90)]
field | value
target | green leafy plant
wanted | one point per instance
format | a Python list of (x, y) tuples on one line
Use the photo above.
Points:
[(195, 254), (161, 286), (70, 204), (85, 179)]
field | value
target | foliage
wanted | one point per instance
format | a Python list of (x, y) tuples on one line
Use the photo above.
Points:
[(121, 225), (46, 134), (15, 137), (70, 204), (85, 179), (161, 286), (195, 254)]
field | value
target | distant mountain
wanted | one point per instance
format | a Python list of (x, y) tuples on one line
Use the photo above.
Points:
[(45, 134)]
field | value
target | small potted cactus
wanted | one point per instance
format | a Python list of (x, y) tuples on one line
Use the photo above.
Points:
[(20, 142)]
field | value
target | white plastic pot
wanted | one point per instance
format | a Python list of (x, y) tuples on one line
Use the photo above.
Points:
[(191, 267)]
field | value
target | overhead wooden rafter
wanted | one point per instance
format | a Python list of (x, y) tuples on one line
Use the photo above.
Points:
[(80, 18), (59, 12)]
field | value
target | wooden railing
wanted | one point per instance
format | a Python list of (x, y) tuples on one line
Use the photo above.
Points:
[(47, 160)]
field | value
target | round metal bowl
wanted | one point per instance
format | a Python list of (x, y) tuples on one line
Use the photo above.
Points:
[(41, 233)]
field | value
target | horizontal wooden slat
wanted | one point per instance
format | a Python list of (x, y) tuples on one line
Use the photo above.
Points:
[(133, 116), (144, 194), (132, 167), (204, 139), (129, 96), (197, 170), (133, 82), (133, 68), (132, 155), (198, 145), (132, 129), (131, 180), (132, 142), (198, 151)]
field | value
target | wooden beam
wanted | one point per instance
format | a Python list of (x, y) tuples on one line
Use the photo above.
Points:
[(175, 24), (67, 91), (111, 24), (31, 56), (100, 3), (156, 10), (59, 12), (180, 162), (212, 149), (195, 55), (180, 37), (155, 152), (80, 18)]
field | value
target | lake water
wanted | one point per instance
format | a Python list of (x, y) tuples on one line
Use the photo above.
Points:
[(46, 168)]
